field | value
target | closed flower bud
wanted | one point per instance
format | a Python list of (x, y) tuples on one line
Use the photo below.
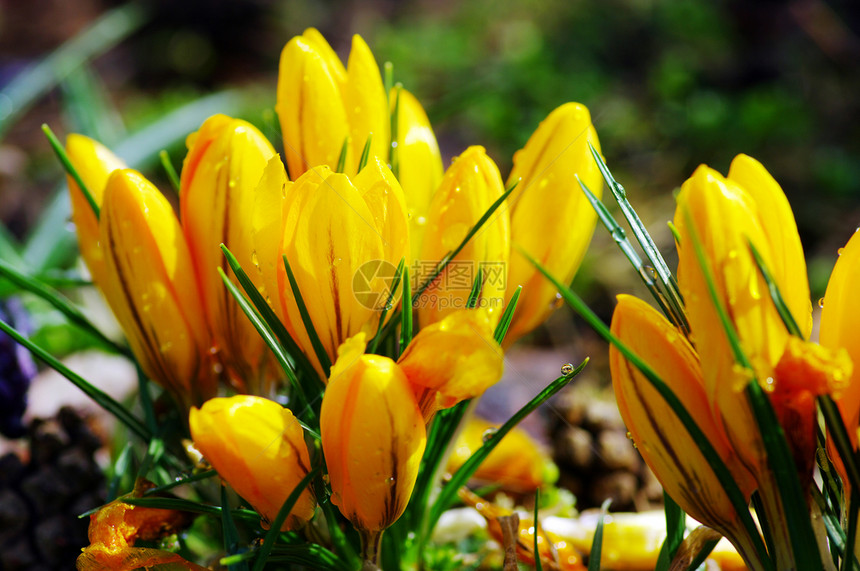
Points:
[(373, 437), (470, 186), (726, 218), (419, 162), (343, 239), (551, 218), (258, 447), (94, 163), (150, 285), (225, 162), (452, 360), (658, 433), (320, 104)]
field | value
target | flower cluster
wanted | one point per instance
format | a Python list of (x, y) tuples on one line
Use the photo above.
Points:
[(321, 235)]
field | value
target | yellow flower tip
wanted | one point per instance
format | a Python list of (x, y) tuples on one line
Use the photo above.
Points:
[(257, 446), (373, 437), (557, 150), (94, 163), (453, 360), (518, 463), (470, 186)]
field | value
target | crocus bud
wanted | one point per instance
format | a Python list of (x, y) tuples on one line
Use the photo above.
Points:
[(94, 163), (452, 360), (373, 437), (150, 285), (258, 447), (518, 463), (551, 218), (320, 104), (470, 186), (726, 219), (419, 161), (343, 239), (658, 433), (225, 162)]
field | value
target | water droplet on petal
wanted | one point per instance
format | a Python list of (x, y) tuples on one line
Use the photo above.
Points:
[(821, 303), (839, 251)]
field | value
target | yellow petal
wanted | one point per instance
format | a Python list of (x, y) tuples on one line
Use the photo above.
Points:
[(310, 108), (777, 220), (551, 218), (373, 438), (366, 104), (838, 330), (453, 359), (150, 285), (313, 37), (220, 175), (658, 433), (470, 186), (258, 447), (518, 463), (725, 219), (384, 197), (420, 164), (330, 232), (267, 220), (94, 163)]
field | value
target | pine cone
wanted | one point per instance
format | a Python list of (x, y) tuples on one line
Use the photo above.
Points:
[(40, 499), (595, 457)]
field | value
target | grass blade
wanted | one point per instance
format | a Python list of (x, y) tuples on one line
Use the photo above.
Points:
[(102, 35), (365, 153), (449, 491), (538, 564), (507, 316), (100, 397), (477, 287), (230, 533), (59, 302), (594, 555), (164, 156), (341, 159), (319, 350), (406, 313), (394, 153), (398, 274), (675, 528), (60, 151)]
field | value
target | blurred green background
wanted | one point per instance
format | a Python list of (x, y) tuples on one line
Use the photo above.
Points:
[(670, 83)]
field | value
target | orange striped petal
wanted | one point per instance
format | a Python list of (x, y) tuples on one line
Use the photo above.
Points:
[(222, 170), (658, 433), (258, 447), (150, 285), (454, 359), (373, 437)]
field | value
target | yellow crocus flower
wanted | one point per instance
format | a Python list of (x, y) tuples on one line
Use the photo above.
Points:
[(320, 104), (257, 446), (419, 162), (470, 186), (94, 163), (727, 214), (658, 433), (373, 438), (222, 169), (343, 239), (452, 360), (150, 285), (551, 218)]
